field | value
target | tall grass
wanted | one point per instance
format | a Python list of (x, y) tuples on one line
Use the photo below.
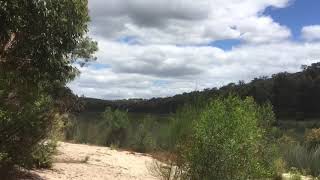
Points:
[(301, 151), (306, 160), (142, 133)]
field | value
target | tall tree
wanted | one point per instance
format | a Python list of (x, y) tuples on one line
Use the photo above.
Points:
[(40, 40)]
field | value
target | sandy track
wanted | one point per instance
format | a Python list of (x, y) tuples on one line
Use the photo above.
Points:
[(103, 164)]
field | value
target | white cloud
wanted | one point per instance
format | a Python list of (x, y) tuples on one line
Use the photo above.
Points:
[(157, 60), (311, 33), (215, 67), (187, 21), (166, 57)]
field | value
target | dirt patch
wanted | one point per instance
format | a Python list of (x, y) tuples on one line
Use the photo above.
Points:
[(83, 162)]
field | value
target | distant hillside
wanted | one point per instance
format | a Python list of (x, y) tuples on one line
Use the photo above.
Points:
[(293, 95)]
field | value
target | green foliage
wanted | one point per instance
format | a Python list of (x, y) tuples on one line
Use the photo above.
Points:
[(181, 124), (109, 128), (115, 119), (25, 129), (39, 41), (115, 128), (228, 142), (55, 28), (42, 155), (114, 125), (143, 140), (312, 138)]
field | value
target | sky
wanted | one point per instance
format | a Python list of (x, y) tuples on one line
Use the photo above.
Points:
[(160, 48)]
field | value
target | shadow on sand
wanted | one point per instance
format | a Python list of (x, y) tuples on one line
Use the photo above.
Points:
[(21, 175)]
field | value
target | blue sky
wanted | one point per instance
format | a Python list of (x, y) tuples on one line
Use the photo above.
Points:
[(161, 48), (227, 44), (131, 40), (98, 66), (297, 15)]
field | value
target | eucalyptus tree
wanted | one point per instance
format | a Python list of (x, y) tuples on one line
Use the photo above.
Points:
[(40, 41)]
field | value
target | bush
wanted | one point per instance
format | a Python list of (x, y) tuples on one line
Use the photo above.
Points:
[(42, 155), (229, 142), (114, 126), (181, 125), (142, 139), (312, 138), (27, 139)]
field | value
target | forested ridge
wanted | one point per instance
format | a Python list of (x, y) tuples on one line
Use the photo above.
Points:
[(294, 96)]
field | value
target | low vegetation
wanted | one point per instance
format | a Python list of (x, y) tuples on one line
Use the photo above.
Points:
[(228, 138), (114, 128), (302, 152), (228, 141)]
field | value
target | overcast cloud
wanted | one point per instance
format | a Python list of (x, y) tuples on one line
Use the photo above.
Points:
[(161, 47)]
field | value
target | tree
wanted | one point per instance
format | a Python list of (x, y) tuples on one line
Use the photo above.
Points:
[(229, 142), (114, 125), (142, 139), (40, 40)]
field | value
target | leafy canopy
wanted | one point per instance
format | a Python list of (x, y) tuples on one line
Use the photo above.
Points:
[(40, 40), (229, 141)]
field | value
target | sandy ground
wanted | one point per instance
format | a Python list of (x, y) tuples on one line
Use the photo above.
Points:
[(288, 176), (102, 164), (84, 162)]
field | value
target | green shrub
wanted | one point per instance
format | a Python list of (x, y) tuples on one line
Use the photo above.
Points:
[(312, 138), (28, 138), (287, 140), (181, 125), (229, 142), (142, 139), (114, 126), (42, 155), (70, 128)]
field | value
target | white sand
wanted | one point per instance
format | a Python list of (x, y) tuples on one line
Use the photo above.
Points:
[(103, 164), (288, 176)]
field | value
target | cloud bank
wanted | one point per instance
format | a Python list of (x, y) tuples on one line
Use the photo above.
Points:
[(164, 47)]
